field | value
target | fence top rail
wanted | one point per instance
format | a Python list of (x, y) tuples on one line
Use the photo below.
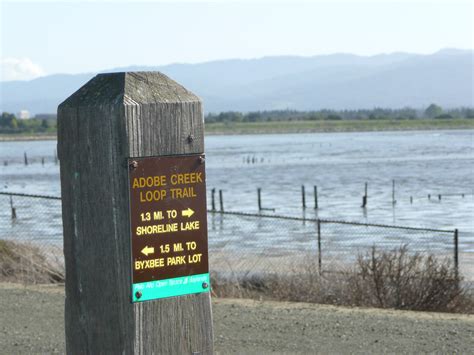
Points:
[(387, 226), (246, 214), (320, 220), (274, 216), (30, 195)]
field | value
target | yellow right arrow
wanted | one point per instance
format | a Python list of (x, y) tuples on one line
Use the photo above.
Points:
[(148, 250), (187, 213)]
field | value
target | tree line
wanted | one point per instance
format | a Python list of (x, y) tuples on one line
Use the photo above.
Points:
[(433, 111), (9, 123)]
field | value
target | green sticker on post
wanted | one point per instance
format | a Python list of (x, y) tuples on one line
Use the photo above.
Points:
[(178, 286), (168, 221)]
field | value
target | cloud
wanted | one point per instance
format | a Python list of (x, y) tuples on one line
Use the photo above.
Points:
[(19, 69)]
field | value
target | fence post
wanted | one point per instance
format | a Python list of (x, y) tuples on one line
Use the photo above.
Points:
[(110, 119), (456, 254), (12, 208), (319, 247)]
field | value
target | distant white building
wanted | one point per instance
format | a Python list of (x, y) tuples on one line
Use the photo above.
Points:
[(23, 115)]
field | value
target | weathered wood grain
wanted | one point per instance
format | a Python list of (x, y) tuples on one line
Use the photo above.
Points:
[(111, 118)]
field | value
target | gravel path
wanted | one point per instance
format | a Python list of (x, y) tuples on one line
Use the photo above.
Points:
[(31, 321)]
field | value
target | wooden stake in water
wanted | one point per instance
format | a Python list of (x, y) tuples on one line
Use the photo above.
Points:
[(221, 200), (393, 193), (364, 198), (259, 198), (213, 199), (316, 198), (303, 197), (25, 158)]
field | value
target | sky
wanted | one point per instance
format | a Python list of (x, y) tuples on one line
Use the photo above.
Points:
[(42, 38)]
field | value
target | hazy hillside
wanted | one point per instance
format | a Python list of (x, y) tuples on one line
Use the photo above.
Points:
[(333, 81)]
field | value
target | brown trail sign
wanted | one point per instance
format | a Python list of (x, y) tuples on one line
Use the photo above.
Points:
[(131, 147), (168, 226)]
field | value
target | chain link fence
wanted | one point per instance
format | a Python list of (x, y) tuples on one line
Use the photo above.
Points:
[(245, 245), (31, 243)]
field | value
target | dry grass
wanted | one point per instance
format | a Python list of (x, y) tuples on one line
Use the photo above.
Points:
[(27, 263), (385, 279)]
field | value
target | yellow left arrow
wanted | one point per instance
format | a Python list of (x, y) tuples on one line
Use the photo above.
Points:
[(148, 250)]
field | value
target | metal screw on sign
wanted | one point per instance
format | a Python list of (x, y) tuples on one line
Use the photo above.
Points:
[(138, 294), (133, 165), (202, 159), (205, 285), (190, 138)]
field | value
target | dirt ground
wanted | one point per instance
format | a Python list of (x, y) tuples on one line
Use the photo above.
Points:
[(31, 321)]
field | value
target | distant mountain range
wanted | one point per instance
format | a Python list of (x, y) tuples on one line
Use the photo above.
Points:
[(337, 81)]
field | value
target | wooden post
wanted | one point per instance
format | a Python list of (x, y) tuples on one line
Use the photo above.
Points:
[(303, 197), (364, 198), (221, 200), (393, 193), (25, 158), (110, 119), (316, 206), (12, 208), (319, 248), (259, 198), (213, 199), (456, 254)]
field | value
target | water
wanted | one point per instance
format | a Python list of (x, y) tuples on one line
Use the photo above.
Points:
[(421, 163)]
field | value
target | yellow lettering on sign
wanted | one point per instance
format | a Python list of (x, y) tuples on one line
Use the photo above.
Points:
[(152, 195), (149, 181), (157, 229), (149, 264), (194, 259), (189, 226), (175, 260), (187, 178), (183, 192)]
